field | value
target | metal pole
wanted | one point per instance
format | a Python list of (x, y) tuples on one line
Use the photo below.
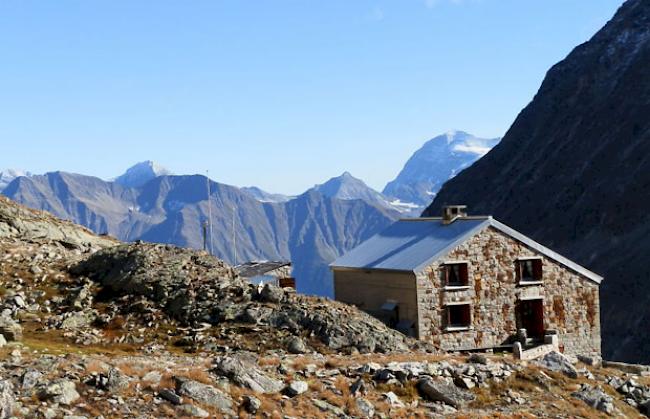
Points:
[(234, 236), (207, 178), (205, 235)]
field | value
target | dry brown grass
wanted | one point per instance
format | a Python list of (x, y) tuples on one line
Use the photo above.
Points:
[(316, 386), (167, 381), (407, 392), (95, 366), (300, 363), (268, 361), (333, 363)]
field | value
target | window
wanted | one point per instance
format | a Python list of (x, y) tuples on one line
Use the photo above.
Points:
[(530, 270), (456, 275), (458, 316)]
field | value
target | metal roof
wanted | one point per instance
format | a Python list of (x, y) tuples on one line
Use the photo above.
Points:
[(415, 243), (257, 268)]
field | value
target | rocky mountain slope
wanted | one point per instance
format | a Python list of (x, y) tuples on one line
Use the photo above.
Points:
[(93, 328), (311, 230), (573, 172), (438, 160)]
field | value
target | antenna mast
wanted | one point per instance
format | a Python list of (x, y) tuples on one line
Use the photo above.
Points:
[(234, 236), (207, 178)]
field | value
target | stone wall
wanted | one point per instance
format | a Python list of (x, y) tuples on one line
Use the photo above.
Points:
[(571, 302)]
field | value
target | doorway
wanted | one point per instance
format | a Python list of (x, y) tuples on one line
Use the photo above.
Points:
[(530, 316)]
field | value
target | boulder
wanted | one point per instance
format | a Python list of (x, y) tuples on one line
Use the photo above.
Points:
[(10, 329), (252, 404), (596, 398), (296, 388), (296, 346), (204, 393), (247, 375), (189, 410), (78, 320), (439, 389), (30, 379), (170, 396), (6, 399), (60, 391), (555, 361), (328, 407), (393, 400), (117, 381), (271, 294), (477, 358), (365, 408)]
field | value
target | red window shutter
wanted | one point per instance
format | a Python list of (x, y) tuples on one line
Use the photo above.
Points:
[(446, 268)]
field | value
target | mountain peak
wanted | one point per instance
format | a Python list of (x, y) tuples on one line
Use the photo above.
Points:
[(8, 175), (438, 160), (141, 173)]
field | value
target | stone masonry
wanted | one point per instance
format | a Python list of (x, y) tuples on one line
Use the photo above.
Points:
[(570, 301)]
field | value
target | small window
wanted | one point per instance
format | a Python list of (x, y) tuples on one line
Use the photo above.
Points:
[(530, 270), (456, 275), (458, 316)]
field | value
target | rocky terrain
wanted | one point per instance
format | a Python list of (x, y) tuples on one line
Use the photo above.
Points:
[(573, 172), (93, 328)]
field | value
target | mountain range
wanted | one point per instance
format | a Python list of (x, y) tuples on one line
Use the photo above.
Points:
[(573, 172), (148, 203)]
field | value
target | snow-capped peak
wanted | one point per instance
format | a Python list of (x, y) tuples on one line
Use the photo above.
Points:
[(432, 165), (141, 173)]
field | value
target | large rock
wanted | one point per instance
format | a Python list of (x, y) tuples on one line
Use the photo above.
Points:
[(78, 320), (205, 394), (295, 345), (296, 388), (271, 294), (60, 391), (247, 375), (595, 398), (439, 389), (10, 329), (117, 381), (6, 399), (555, 361)]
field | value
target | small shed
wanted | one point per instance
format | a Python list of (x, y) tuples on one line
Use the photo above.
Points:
[(264, 272)]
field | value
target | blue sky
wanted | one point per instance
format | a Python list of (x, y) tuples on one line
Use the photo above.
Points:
[(279, 94)]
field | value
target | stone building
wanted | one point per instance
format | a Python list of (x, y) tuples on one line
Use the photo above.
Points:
[(468, 282)]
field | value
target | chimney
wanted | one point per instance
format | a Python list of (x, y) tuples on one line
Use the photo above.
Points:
[(451, 212)]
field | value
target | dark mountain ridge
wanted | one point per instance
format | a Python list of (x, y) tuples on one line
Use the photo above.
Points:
[(573, 172)]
